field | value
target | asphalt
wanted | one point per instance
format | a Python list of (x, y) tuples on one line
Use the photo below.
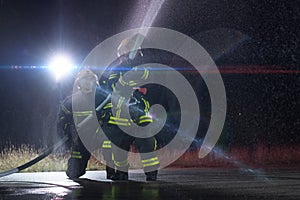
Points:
[(208, 183)]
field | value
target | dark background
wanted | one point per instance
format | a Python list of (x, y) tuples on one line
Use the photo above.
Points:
[(255, 44)]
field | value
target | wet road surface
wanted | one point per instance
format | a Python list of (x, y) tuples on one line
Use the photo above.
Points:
[(172, 184)]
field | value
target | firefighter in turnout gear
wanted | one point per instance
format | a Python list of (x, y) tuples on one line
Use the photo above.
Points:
[(87, 85), (138, 107)]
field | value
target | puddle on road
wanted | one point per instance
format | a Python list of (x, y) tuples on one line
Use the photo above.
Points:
[(87, 189), (31, 190)]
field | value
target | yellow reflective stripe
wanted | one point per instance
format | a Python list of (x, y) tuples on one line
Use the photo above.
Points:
[(118, 113), (119, 119), (120, 102), (118, 108), (145, 120), (75, 156), (147, 105), (150, 160), (151, 164), (122, 81), (155, 144), (106, 146), (145, 116), (111, 76), (65, 109), (132, 83), (121, 163), (83, 113), (113, 87), (98, 129), (119, 123), (146, 74), (109, 105)]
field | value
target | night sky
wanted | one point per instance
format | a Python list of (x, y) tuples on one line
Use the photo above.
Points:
[(255, 44)]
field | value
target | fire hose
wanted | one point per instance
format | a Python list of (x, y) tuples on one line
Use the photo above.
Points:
[(49, 150)]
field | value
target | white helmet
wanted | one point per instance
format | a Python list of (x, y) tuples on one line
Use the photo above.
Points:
[(131, 46), (86, 80)]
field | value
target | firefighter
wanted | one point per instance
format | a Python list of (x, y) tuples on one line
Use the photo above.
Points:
[(87, 85), (138, 106)]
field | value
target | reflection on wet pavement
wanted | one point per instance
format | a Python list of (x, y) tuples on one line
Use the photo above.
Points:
[(90, 189), (27, 190), (172, 184)]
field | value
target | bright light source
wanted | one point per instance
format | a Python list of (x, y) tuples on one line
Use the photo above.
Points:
[(60, 65)]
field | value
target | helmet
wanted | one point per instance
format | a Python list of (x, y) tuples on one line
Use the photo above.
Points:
[(86, 80), (131, 46)]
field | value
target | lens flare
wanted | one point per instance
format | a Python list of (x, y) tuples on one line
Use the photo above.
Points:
[(60, 65)]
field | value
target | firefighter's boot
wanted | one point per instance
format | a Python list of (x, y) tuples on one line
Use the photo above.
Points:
[(120, 176), (110, 172), (151, 176)]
